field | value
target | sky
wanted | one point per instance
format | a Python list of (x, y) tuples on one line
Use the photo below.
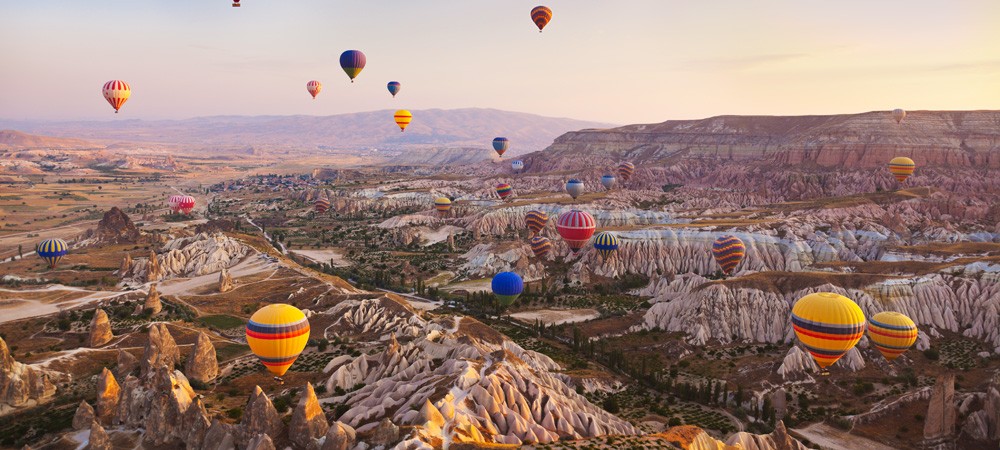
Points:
[(622, 61)]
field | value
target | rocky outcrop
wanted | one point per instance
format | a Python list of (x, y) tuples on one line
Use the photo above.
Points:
[(340, 436), (196, 424), (225, 281), (385, 434), (100, 329), (84, 416), (125, 266), (22, 383), (220, 436), (153, 271), (192, 256), (308, 422), (98, 439), (116, 228), (153, 303), (260, 442), (259, 417), (108, 396), (159, 403), (777, 440), (941, 412), (202, 364), (126, 364), (161, 350)]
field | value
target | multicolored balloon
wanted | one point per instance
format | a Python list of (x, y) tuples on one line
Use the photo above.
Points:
[(394, 88), (181, 204), (541, 15), (236, 3), (507, 286), (403, 119), (606, 243), (891, 333), (322, 205), (277, 334), (52, 250), (442, 205), (116, 92), (576, 227), (313, 87), (536, 220), (728, 251), (504, 190), (500, 145), (540, 246), (608, 181), (625, 170), (828, 325), (901, 167), (574, 188), (352, 61), (898, 115), (517, 165)]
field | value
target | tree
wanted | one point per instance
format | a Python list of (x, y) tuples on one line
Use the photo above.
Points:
[(20, 252)]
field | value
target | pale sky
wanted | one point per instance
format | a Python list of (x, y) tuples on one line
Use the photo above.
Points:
[(621, 61)]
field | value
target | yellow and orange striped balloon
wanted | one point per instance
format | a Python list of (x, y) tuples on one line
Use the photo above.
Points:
[(828, 325), (891, 333), (277, 334), (901, 167), (403, 118)]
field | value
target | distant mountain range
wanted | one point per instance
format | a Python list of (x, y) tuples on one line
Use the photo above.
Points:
[(434, 128), (16, 140)]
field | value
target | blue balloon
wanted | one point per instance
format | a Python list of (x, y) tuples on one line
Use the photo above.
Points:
[(507, 286), (394, 87)]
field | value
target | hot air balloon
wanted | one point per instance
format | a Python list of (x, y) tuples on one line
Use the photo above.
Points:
[(625, 170), (901, 167), (541, 15), (606, 243), (507, 286), (236, 3), (322, 205), (52, 250), (608, 181), (403, 118), (504, 190), (898, 115), (277, 333), (116, 92), (536, 220), (574, 188), (442, 205), (576, 227), (728, 251), (352, 61), (314, 87), (183, 204), (892, 333), (540, 246), (828, 325), (394, 87), (500, 144), (517, 165)]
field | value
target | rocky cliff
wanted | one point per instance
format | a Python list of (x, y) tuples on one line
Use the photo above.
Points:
[(22, 383)]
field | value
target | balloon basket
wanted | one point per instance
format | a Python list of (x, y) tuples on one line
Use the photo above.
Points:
[(824, 373)]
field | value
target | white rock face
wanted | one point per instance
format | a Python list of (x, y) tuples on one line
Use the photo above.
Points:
[(192, 256), (485, 387)]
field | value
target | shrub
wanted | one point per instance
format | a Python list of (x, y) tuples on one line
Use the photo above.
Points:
[(932, 354)]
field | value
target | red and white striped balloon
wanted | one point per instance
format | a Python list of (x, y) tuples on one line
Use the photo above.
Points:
[(314, 87), (116, 92), (181, 203), (576, 227)]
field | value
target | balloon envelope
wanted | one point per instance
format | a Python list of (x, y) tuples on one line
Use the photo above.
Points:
[(517, 165), (606, 243), (541, 15), (322, 205), (536, 220), (898, 115), (728, 251), (500, 145), (901, 167), (182, 204), (540, 246), (403, 119), (277, 334), (314, 87), (504, 190), (576, 227), (828, 325), (625, 170), (51, 251), (394, 87), (891, 333), (116, 92), (442, 204), (608, 181), (507, 286), (352, 61), (574, 188)]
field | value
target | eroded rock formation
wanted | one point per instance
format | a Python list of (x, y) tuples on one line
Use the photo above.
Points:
[(22, 383), (225, 281), (202, 364), (161, 350), (308, 422), (100, 329)]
